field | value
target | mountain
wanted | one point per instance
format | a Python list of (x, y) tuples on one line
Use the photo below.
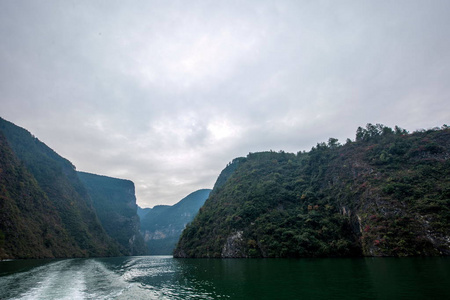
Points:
[(28, 226), (141, 212), (48, 209), (385, 194), (57, 179), (163, 224), (115, 203)]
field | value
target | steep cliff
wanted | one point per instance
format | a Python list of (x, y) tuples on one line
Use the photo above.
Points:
[(386, 194), (115, 203), (163, 224), (47, 188)]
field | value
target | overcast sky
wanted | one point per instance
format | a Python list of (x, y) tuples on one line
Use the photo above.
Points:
[(166, 93)]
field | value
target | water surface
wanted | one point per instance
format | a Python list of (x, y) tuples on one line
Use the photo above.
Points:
[(162, 277)]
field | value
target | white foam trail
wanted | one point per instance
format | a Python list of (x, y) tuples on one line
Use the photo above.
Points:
[(62, 280), (16, 285), (101, 279), (106, 284)]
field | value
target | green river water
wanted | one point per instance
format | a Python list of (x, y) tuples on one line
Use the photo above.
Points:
[(163, 277)]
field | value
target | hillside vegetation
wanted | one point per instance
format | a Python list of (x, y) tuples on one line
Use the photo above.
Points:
[(28, 225), (47, 212), (385, 194)]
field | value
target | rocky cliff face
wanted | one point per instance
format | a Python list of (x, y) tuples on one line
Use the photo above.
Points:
[(115, 202), (234, 246), (386, 194)]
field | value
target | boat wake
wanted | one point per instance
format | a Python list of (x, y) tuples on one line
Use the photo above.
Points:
[(66, 279), (103, 278)]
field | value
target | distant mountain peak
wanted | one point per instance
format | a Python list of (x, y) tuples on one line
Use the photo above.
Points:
[(162, 225)]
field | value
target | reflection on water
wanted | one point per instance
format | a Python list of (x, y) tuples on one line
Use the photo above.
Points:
[(162, 277)]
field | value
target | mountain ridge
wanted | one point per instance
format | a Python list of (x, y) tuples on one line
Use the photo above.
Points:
[(47, 211), (385, 194), (163, 224)]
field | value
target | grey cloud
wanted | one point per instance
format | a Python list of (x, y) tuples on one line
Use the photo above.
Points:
[(166, 93)]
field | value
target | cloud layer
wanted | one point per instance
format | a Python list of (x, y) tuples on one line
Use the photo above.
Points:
[(166, 93)]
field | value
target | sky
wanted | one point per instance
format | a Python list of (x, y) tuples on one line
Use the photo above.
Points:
[(166, 93)]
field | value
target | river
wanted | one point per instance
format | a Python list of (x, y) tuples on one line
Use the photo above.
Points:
[(163, 277)]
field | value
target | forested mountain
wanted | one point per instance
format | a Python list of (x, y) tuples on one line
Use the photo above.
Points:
[(115, 203), (58, 180), (385, 194), (163, 224), (28, 225), (46, 211)]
